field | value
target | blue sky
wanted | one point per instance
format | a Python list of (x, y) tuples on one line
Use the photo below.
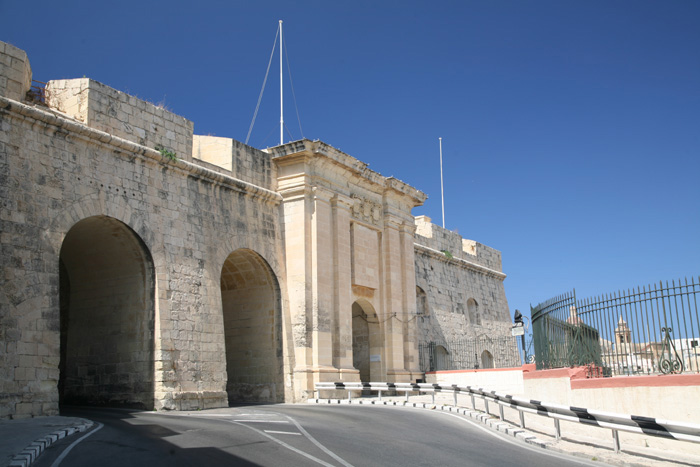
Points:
[(571, 129)]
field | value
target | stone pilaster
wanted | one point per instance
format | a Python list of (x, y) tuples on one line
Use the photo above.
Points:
[(410, 333), (322, 284), (393, 299), (342, 334)]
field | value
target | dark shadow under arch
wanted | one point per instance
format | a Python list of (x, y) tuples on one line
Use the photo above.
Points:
[(107, 311), (251, 306)]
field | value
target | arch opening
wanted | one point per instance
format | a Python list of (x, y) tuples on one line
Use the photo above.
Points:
[(486, 359), (366, 342), (473, 312), (107, 311), (421, 302), (442, 358), (251, 308)]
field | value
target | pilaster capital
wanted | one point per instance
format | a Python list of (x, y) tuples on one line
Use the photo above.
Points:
[(342, 202), (322, 194), (408, 228)]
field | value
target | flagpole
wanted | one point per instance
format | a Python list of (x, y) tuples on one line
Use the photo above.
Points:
[(442, 187), (281, 93)]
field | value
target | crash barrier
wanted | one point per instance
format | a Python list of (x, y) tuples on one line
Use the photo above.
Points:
[(615, 422)]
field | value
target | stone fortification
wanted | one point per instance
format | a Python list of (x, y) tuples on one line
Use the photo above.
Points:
[(146, 266), (460, 292), (116, 113)]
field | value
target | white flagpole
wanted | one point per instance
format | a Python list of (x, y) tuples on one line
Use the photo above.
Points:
[(442, 187), (281, 93)]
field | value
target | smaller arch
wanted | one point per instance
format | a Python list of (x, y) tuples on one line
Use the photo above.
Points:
[(486, 359), (421, 302), (473, 311), (442, 358), (367, 352)]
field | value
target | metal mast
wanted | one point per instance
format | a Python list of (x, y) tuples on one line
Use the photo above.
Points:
[(442, 188), (281, 93)]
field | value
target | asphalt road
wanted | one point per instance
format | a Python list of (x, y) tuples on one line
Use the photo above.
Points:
[(291, 435)]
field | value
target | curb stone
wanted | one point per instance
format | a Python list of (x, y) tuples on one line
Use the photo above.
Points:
[(30, 454)]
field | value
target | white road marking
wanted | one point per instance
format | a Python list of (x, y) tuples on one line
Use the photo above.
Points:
[(261, 421), (283, 432), (283, 444), (320, 446), (63, 455)]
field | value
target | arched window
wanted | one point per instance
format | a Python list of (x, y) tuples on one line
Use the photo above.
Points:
[(486, 359), (421, 302), (473, 311)]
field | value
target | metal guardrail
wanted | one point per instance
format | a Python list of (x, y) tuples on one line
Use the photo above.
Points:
[(613, 421)]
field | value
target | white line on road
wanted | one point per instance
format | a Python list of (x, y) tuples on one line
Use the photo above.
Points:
[(283, 444), (320, 446), (283, 432), (63, 455), (261, 421)]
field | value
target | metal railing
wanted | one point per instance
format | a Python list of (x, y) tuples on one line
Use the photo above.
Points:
[(466, 354), (37, 93), (653, 329), (616, 422)]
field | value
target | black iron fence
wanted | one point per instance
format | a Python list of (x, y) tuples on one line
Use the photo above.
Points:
[(465, 354), (653, 329)]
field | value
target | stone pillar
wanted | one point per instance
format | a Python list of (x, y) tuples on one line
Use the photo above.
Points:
[(393, 311), (342, 330), (297, 246), (322, 283), (410, 332)]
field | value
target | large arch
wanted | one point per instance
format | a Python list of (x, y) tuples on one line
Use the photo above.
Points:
[(367, 348), (107, 312), (251, 305)]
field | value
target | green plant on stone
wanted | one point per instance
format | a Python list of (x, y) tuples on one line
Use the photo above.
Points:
[(166, 152), (447, 253)]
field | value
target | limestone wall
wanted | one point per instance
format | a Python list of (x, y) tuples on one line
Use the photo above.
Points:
[(239, 160), (119, 114), (460, 289), (60, 170)]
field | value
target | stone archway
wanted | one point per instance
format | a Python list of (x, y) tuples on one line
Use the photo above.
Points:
[(107, 311), (366, 342), (250, 299)]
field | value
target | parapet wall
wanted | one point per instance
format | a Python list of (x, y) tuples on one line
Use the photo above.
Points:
[(15, 72), (437, 238), (103, 108), (242, 161)]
